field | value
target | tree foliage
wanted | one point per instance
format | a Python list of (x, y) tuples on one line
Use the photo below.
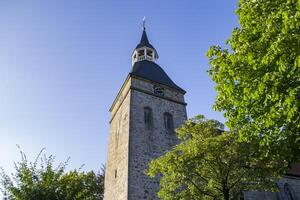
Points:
[(258, 78), (210, 164), (42, 180)]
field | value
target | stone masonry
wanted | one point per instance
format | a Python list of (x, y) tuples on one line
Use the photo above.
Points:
[(132, 145)]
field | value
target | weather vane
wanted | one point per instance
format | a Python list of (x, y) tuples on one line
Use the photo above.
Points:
[(144, 23)]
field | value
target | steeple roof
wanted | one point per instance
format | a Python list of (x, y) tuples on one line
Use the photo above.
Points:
[(144, 41), (152, 71)]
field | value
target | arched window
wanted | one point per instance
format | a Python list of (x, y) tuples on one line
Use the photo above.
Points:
[(168, 120), (148, 118), (288, 192)]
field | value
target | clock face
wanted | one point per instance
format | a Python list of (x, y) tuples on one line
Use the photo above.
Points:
[(158, 90)]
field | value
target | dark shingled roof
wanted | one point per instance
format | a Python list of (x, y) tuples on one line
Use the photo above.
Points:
[(144, 41), (152, 71)]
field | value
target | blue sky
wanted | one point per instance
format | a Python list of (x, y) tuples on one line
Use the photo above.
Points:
[(63, 62)]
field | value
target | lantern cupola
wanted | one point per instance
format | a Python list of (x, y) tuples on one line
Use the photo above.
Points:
[(144, 50)]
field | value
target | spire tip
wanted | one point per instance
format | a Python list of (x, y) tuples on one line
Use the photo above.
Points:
[(144, 23)]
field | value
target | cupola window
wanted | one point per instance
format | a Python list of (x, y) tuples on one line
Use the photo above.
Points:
[(141, 52), (141, 55), (149, 54)]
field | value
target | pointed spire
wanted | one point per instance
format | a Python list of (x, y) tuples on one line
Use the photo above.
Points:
[(144, 39)]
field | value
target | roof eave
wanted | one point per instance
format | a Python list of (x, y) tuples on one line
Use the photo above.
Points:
[(182, 91)]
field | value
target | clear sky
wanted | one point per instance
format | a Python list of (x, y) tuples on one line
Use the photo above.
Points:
[(62, 63)]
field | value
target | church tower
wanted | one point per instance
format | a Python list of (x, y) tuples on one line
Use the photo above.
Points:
[(147, 109)]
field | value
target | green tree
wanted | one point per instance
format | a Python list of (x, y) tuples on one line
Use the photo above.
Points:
[(258, 78), (42, 180), (208, 163)]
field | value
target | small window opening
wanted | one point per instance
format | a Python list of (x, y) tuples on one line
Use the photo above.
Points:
[(168, 120), (116, 173)]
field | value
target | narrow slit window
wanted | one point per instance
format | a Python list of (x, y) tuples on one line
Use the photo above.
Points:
[(116, 173)]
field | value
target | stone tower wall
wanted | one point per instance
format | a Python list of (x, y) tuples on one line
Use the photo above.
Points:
[(146, 144), (131, 145), (116, 174)]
